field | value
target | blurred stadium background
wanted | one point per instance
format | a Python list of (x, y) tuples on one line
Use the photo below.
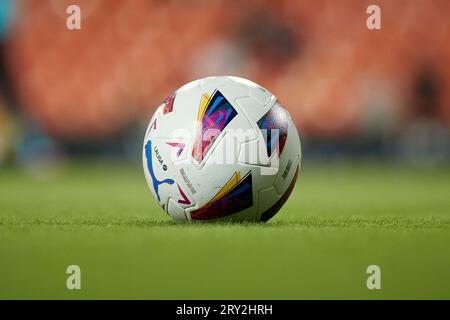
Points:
[(352, 91)]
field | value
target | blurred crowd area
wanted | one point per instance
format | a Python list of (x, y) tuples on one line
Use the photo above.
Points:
[(350, 90)]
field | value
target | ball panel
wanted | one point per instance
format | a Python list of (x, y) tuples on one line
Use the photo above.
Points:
[(176, 212), (266, 198), (235, 196), (262, 95), (268, 214), (253, 153)]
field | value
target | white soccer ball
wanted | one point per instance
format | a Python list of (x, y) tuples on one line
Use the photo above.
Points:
[(221, 148)]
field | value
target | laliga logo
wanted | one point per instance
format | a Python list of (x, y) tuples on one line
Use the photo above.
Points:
[(159, 158), (234, 146)]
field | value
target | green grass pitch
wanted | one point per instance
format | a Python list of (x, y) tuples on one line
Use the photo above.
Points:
[(340, 219)]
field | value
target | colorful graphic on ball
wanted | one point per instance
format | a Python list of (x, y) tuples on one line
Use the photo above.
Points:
[(168, 103), (274, 127), (236, 195), (214, 114), (179, 145), (185, 199)]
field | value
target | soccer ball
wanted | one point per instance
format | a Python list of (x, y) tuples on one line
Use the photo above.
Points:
[(221, 148)]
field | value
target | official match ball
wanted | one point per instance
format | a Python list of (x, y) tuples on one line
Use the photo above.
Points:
[(221, 149)]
